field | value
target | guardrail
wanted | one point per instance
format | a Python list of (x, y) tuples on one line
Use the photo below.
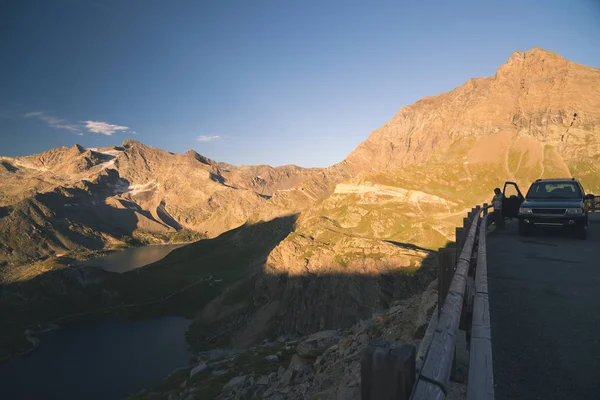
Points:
[(398, 372)]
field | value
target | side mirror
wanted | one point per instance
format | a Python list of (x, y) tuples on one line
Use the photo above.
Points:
[(589, 196)]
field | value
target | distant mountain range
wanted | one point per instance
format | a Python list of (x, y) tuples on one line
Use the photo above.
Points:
[(383, 209)]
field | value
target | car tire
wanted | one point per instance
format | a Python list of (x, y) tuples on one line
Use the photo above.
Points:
[(524, 230)]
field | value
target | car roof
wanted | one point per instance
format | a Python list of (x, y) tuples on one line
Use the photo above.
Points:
[(557, 180)]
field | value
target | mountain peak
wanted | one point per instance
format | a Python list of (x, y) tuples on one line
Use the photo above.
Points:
[(131, 143), (204, 160), (536, 53), (535, 62), (535, 93)]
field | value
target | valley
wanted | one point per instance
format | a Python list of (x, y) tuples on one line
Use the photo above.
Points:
[(272, 255)]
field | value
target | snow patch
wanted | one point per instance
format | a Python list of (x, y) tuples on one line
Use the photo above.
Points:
[(146, 187), (122, 187), (113, 153)]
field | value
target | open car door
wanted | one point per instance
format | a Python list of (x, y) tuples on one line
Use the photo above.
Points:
[(512, 199)]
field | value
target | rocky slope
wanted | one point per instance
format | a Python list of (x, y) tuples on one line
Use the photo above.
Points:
[(324, 365), (537, 99)]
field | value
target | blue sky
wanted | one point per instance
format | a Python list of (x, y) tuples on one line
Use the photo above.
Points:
[(249, 82)]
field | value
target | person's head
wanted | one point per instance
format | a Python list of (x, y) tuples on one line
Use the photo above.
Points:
[(497, 191)]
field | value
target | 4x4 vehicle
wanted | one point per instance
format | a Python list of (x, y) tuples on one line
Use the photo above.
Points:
[(555, 203)]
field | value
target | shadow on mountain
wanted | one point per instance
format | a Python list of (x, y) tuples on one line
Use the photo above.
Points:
[(166, 218), (182, 283), (408, 246), (5, 211), (267, 305), (219, 179), (222, 283), (8, 166)]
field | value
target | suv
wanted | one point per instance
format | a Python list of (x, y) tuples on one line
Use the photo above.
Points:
[(555, 203)]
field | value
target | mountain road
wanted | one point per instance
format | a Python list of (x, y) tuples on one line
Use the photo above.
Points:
[(544, 293)]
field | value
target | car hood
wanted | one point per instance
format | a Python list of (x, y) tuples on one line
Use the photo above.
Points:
[(552, 203)]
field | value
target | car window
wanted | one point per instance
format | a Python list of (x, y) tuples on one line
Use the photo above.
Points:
[(554, 190), (511, 190)]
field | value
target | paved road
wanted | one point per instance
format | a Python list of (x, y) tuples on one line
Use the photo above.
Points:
[(545, 314)]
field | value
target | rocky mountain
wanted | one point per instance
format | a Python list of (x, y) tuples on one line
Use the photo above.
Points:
[(413, 178), (412, 181), (349, 240), (408, 182), (74, 199)]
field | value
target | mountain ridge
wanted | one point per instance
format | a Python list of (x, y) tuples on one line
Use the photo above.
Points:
[(369, 224)]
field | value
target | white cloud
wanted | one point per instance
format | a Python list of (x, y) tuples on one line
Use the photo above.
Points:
[(103, 128), (206, 138), (54, 122)]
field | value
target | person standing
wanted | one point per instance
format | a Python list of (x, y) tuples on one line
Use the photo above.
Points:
[(497, 204)]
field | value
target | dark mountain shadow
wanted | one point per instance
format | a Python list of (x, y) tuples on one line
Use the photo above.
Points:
[(269, 305), (220, 179), (408, 246), (4, 211), (166, 218), (8, 166), (253, 304), (86, 208), (182, 283)]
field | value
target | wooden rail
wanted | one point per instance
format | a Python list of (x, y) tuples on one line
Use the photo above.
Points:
[(434, 379), (462, 304), (481, 371)]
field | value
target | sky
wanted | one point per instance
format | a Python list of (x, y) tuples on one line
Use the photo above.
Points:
[(254, 82)]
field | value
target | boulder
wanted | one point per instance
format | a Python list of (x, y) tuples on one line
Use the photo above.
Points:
[(234, 385), (269, 392), (263, 380), (272, 357), (237, 381), (202, 366), (280, 372), (287, 377), (316, 344), (297, 360)]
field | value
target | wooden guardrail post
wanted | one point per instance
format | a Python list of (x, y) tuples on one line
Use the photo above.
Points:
[(460, 240), (387, 371), (446, 266)]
